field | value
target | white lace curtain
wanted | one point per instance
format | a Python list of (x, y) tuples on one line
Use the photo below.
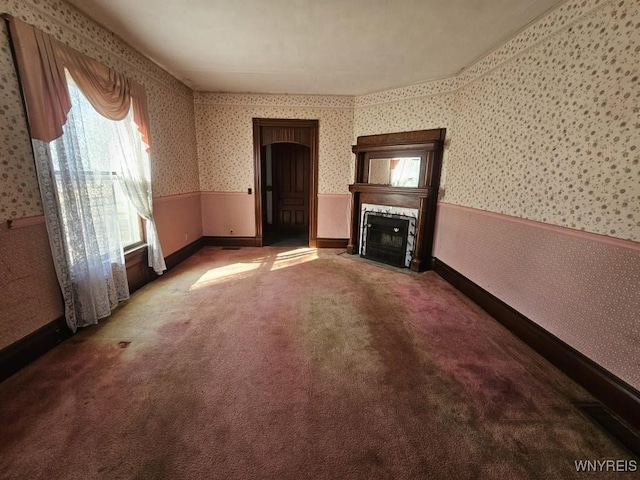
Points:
[(82, 222), (135, 179), (76, 173), (76, 180)]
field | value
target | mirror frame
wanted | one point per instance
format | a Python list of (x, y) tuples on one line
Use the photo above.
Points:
[(421, 154)]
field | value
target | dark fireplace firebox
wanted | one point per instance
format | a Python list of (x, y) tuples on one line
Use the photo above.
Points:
[(386, 239)]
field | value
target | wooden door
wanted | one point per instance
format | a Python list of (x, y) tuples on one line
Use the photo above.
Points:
[(291, 176)]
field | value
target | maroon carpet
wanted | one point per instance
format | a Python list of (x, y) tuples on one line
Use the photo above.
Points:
[(294, 364)]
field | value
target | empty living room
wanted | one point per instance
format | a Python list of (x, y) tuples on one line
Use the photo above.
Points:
[(287, 239)]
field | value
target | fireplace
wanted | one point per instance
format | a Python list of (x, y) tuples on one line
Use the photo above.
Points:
[(385, 239), (396, 172)]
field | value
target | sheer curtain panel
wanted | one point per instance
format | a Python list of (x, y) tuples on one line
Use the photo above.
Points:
[(78, 197), (82, 222)]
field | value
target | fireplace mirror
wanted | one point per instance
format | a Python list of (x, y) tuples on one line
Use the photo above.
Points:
[(395, 172)]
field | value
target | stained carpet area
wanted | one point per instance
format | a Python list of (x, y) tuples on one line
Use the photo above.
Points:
[(295, 363)]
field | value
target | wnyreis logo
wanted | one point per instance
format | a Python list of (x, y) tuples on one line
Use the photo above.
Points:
[(606, 465)]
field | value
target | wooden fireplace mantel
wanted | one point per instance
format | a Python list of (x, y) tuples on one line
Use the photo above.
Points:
[(425, 144)]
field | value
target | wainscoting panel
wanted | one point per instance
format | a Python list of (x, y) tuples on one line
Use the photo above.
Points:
[(619, 396), (334, 215), (583, 288), (228, 214), (178, 219), (30, 295)]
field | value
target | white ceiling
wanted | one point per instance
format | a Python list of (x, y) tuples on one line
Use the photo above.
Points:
[(340, 47)]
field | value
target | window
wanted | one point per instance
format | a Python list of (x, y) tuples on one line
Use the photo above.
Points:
[(88, 169), (97, 140)]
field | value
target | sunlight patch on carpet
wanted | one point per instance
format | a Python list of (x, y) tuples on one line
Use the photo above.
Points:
[(241, 270), (225, 273), (294, 257)]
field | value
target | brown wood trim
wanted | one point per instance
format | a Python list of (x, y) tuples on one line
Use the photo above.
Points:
[(385, 189), (616, 394), (375, 198), (185, 252), (381, 149), (280, 134), (137, 265), (426, 144), (309, 133), (313, 194), (416, 136), (332, 242), (257, 179), (21, 353), (231, 242), (287, 122)]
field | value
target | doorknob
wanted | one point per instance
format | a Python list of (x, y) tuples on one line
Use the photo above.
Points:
[(269, 188)]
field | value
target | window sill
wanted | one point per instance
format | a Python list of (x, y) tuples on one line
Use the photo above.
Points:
[(131, 250)]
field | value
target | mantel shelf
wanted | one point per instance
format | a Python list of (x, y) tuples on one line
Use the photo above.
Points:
[(425, 192)]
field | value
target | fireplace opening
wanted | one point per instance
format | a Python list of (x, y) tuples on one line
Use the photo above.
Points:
[(386, 239)]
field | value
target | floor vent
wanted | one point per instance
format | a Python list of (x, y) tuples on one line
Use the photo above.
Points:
[(230, 248), (617, 428)]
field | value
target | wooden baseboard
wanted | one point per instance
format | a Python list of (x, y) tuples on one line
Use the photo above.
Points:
[(185, 252), (254, 242), (27, 349), (612, 424), (616, 394), (332, 242), (230, 241)]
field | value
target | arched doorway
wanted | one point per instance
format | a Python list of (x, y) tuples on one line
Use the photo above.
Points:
[(285, 194), (286, 179)]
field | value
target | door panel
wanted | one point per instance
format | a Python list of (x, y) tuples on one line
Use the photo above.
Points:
[(291, 174)]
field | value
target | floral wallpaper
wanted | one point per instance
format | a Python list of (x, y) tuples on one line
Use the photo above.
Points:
[(554, 21), (174, 158), (174, 167), (225, 137), (436, 111), (19, 195), (544, 128)]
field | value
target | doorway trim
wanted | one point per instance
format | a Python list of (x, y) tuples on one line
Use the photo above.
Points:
[(267, 131)]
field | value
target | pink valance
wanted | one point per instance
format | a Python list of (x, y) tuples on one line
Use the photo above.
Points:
[(42, 61)]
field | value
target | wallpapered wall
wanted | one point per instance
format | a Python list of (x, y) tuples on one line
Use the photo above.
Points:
[(174, 157), (550, 118), (545, 129), (29, 293), (225, 137)]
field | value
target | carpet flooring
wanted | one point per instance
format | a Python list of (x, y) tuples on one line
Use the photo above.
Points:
[(295, 363)]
